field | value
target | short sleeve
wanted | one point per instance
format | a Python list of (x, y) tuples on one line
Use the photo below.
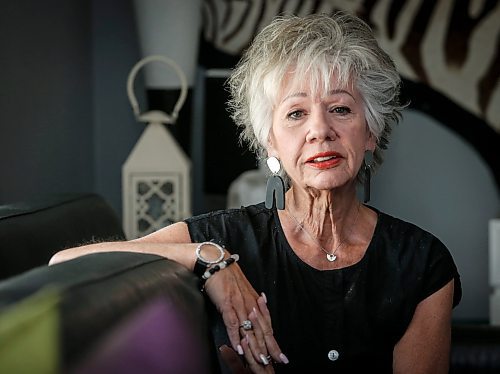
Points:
[(440, 269)]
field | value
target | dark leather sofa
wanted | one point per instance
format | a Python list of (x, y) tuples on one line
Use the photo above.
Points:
[(109, 304), (31, 232), (99, 297)]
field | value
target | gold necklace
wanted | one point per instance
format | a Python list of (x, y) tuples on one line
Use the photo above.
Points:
[(331, 257)]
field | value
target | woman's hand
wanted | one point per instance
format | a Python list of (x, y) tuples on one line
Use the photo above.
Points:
[(237, 301)]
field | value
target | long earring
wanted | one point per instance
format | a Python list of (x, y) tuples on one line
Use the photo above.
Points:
[(367, 164), (275, 190)]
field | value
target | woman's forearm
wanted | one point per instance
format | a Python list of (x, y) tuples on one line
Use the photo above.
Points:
[(172, 242), (183, 253)]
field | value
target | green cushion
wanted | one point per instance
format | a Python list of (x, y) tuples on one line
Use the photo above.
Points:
[(29, 334)]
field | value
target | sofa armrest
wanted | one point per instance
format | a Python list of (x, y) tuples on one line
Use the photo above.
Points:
[(32, 232), (98, 291)]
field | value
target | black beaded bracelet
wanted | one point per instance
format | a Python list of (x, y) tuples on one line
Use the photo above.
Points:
[(214, 269)]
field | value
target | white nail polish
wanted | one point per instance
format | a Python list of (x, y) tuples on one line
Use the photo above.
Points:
[(264, 297), (283, 358), (240, 350)]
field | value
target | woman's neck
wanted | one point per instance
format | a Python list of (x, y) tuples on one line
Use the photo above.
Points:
[(323, 212), (321, 223)]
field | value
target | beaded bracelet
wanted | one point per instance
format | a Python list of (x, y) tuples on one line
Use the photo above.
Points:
[(214, 269)]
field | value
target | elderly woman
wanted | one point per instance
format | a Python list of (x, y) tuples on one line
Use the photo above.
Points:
[(321, 282)]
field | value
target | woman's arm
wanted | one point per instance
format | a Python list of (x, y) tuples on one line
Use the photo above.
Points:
[(236, 300), (229, 289), (172, 242), (425, 346)]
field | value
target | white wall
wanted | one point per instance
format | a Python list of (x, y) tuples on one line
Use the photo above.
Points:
[(436, 180)]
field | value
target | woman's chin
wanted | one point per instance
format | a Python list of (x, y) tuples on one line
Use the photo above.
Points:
[(329, 184)]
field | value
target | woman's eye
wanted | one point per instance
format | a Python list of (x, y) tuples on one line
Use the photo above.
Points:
[(296, 114), (340, 110)]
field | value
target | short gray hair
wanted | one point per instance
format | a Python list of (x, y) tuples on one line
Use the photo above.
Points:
[(316, 46)]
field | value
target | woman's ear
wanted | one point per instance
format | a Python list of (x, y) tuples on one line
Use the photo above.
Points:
[(371, 142), (271, 151)]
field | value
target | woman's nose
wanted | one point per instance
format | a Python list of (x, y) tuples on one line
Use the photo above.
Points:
[(320, 128)]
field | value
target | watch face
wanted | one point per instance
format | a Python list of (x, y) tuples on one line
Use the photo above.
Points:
[(201, 265), (205, 261)]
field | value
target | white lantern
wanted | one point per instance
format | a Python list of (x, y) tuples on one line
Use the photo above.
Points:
[(156, 174)]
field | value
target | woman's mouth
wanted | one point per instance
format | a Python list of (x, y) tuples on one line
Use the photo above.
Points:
[(324, 160)]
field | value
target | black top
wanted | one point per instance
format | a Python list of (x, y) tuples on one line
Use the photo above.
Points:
[(360, 311)]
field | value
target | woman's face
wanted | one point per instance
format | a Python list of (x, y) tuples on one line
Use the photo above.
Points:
[(320, 139)]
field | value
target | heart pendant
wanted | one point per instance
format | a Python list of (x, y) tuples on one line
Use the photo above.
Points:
[(331, 257)]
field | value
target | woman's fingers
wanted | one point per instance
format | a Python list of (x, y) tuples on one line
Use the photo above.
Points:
[(263, 320), (224, 292), (232, 323), (228, 289), (255, 365), (238, 302), (260, 338), (256, 342)]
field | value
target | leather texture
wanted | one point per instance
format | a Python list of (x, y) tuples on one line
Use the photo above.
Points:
[(99, 290), (31, 232)]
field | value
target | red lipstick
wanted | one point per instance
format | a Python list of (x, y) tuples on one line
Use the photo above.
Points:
[(324, 160)]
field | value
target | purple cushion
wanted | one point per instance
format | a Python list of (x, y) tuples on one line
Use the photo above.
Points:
[(157, 339)]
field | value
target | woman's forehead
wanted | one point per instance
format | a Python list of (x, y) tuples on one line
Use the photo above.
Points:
[(312, 85)]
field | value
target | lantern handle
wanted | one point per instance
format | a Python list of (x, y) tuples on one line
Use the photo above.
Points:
[(172, 118)]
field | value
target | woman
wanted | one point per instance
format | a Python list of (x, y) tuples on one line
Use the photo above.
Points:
[(327, 283)]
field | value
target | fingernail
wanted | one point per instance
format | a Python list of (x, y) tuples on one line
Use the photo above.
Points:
[(264, 297), (283, 358), (240, 350), (264, 359), (254, 310)]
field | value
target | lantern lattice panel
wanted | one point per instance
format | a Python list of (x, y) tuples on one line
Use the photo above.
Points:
[(157, 201)]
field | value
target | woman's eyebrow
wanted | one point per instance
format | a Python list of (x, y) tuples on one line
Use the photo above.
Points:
[(330, 93), (295, 94), (339, 91)]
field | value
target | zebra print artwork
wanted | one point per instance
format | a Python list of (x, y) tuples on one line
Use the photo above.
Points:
[(447, 51)]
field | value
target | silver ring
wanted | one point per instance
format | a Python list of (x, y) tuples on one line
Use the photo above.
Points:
[(266, 360), (246, 325)]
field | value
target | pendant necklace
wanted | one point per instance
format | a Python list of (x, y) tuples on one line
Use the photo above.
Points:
[(331, 257)]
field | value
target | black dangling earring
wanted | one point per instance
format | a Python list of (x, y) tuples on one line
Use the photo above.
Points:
[(367, 164), (275, 190)]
